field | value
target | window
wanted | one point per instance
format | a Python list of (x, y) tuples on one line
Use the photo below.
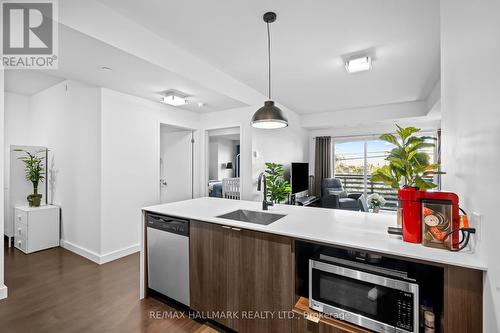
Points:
[(356, 159)]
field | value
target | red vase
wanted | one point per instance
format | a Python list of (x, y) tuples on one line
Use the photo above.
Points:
[(409, 201)]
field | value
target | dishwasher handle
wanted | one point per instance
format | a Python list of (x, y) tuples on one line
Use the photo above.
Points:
[(168, 224)]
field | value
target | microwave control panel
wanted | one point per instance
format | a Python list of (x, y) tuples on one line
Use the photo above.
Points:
[(405, 311)]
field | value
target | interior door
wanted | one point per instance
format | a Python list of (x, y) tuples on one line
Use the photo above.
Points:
[(176, 166)]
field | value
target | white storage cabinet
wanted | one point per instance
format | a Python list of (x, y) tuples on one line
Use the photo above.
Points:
[(36, 228)]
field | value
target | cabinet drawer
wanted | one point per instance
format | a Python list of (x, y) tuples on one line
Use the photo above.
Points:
[(20, 216), (21, 230), (303, 325), (309, 321), (21, 243)]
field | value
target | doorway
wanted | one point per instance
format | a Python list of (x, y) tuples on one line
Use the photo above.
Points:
[(223, 163), (176, 163)]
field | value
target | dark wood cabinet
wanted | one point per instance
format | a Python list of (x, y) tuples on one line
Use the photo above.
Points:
[(209, 247), (302, 325), (310, 321), (246, 272), (463, 300)]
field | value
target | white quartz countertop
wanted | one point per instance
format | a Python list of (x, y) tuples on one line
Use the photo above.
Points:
[(358, 230)]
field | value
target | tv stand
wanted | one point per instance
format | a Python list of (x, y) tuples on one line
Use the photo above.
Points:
[(307, 201)]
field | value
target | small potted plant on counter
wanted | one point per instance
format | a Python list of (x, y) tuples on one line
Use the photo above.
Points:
[(278, 188), (34, 173), (375, 201)]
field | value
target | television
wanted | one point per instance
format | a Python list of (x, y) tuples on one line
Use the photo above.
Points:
[(299, 177)]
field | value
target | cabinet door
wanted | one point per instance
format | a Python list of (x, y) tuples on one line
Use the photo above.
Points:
[(209, 252), (264, 275)]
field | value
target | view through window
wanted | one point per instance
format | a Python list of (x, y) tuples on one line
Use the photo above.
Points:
[(356, 159)]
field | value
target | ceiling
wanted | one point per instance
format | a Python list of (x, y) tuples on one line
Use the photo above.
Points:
[(310, 39), (81, 58), (28, 82)]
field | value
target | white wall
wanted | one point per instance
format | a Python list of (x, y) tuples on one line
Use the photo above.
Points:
[(175, 150), (3, 288), (470, 34), (130, 163), (225, 154), (16, 118), (221, 151), (281, 145), (365, 116), (213, 159), (66, 119)]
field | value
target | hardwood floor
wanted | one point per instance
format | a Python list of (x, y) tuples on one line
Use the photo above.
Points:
[(58, 291)]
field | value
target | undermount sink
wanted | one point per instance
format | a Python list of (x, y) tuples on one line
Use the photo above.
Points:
[(252, 216)]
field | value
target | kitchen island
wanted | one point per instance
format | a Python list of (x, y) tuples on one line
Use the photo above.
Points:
[(278, 243)]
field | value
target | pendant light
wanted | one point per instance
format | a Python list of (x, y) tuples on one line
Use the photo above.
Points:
[(269, 116)]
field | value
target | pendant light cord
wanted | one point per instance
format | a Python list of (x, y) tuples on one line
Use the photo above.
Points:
[(269, 58)]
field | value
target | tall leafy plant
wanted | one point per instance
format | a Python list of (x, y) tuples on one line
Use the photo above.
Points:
[(278, 188), (408, 164), (34, 169)]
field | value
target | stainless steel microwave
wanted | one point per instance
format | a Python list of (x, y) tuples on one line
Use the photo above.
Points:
[(376, 298)]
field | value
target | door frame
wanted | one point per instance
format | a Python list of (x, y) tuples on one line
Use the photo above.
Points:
[(194, 132), (207, 156)]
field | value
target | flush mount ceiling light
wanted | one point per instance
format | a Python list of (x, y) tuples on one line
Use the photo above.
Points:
[(358, 64), (174, 99), (269, 116)]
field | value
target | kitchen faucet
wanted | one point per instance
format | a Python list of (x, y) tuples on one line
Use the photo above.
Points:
[(265, 203)]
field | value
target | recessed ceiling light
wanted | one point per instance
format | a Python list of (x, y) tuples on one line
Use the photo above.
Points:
[(174, 99), (358, 64), (105, 68), (201, 104)]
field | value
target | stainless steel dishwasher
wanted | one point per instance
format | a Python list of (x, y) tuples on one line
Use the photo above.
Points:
[(168, 256)]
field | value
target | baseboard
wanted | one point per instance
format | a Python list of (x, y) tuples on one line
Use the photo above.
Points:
[(110, 256), (3, 291), (81, 251), (100, 259)]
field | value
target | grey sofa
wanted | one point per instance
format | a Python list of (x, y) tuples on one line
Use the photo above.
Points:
[(333, 195)]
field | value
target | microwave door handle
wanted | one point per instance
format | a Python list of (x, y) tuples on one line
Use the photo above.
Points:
[(364, 276)]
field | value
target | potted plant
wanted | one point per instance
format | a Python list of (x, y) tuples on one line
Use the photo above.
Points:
[(375, 201), (408, 164), (34, 173), (278, 188)]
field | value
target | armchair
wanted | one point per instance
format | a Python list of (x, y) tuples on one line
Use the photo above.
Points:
[(333, 195)]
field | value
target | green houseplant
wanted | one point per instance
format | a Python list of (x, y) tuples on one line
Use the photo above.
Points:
[(278, 188), (34, 173), (409, 166)]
